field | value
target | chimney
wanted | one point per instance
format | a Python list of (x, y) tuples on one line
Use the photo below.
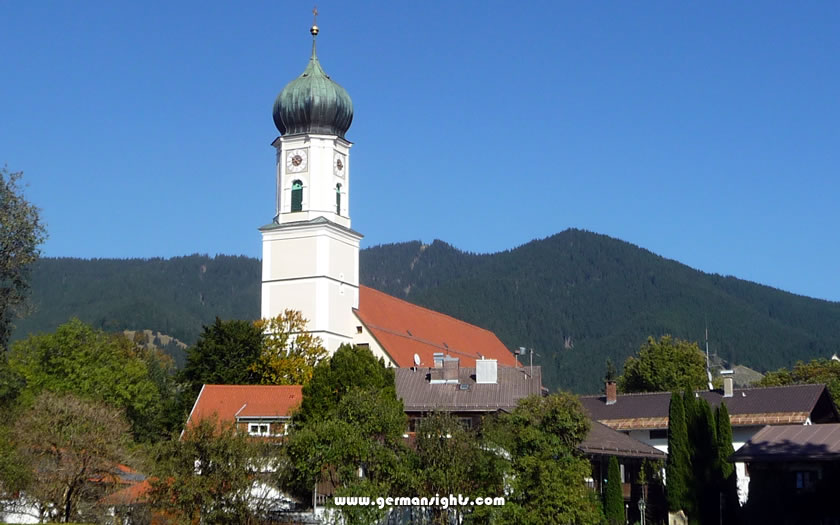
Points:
[(728, 382), (486, 372), (612, 393), (438, 359), (450, 369)]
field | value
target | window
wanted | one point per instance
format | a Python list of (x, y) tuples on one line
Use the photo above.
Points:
[(659, 434), (338, 199), (297, 196), (258, 429)]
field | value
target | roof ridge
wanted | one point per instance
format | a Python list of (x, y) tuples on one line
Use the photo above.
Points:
[(428, 310), (716, 391)]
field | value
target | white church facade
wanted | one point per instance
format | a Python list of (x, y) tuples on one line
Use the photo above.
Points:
[(310, 252)]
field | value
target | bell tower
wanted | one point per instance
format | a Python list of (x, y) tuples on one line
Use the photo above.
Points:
[(310, 256)]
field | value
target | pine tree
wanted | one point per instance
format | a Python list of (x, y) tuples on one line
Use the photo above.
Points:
[(678, 467), (614, 496)]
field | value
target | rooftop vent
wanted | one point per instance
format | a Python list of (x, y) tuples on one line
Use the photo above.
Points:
[(464, 386)]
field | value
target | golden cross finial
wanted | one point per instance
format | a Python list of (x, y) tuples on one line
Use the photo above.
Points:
[(314, 29)]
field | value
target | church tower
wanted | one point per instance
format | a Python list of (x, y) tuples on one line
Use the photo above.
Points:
[(310, 259)]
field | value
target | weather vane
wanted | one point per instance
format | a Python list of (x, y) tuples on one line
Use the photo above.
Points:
[(314, 28)]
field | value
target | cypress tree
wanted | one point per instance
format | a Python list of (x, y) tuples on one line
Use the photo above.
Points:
[(727, 476), (678, 469), (706, 465), (614, 496)]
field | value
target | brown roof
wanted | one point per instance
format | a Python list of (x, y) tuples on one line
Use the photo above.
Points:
[(404, 329), (792, 442), (419, 395), (227, 402), (748, 406), (602, 440)]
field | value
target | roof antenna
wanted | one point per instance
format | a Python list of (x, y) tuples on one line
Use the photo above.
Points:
[(708, 369)]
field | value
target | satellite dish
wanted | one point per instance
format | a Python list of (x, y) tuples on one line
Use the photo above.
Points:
[(416, 360)]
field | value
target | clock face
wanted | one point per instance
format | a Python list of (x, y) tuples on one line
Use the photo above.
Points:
[(339, 164), (296, 160)]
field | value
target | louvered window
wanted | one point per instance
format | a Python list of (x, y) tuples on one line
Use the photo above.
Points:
[(297, 196)]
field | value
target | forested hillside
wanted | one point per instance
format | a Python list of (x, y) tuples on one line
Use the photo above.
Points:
[(576, 298)]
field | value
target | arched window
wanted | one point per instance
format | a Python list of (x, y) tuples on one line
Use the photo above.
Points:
[(338, 199), (297, 196)]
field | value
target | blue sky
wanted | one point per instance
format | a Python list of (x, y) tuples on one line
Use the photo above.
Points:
[(705, 132)]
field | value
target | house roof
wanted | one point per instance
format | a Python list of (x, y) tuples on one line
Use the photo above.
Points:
[(792, 442), (420, 395), (793, 404), (404, 329), (136, 493), (227, 402), (604, 441)]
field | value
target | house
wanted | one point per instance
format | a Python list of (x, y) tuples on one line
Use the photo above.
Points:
[(600, 444), (645, 416), (259, 410), (794, 473), (467, 393)]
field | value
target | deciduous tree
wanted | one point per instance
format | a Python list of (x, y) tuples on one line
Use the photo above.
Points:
[(666, 365), (826, 371), (289, 353), (70, 444), (94, 365), (21, 231), (547, 471), (213, 474), (351, 367)]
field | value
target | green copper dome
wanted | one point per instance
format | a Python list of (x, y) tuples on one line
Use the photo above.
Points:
[(313, 103)]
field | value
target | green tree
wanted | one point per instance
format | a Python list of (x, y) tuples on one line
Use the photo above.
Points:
[(547, 471), (289, 353), (453, 460), (678, 467), (349, 368), (94, 365), (356, 446), (21, 231), (727, 475), (665, 365), (824, 371), (223, 355), (213, 474), (614, 496), (68, 442)]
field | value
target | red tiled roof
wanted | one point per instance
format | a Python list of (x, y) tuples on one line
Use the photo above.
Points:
[(228, 401), (404, 329), (136, 493)]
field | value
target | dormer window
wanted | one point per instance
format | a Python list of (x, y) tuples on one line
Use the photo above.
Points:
[(258, 429)]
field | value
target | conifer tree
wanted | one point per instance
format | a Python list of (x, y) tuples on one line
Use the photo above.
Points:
[(728, 478), (678, 467), (705, 464), (614, 497)]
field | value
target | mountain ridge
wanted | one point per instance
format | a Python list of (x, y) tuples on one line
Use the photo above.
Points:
[(576, 297)]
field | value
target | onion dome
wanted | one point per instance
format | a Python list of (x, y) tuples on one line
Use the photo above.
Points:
[(313, 102)]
